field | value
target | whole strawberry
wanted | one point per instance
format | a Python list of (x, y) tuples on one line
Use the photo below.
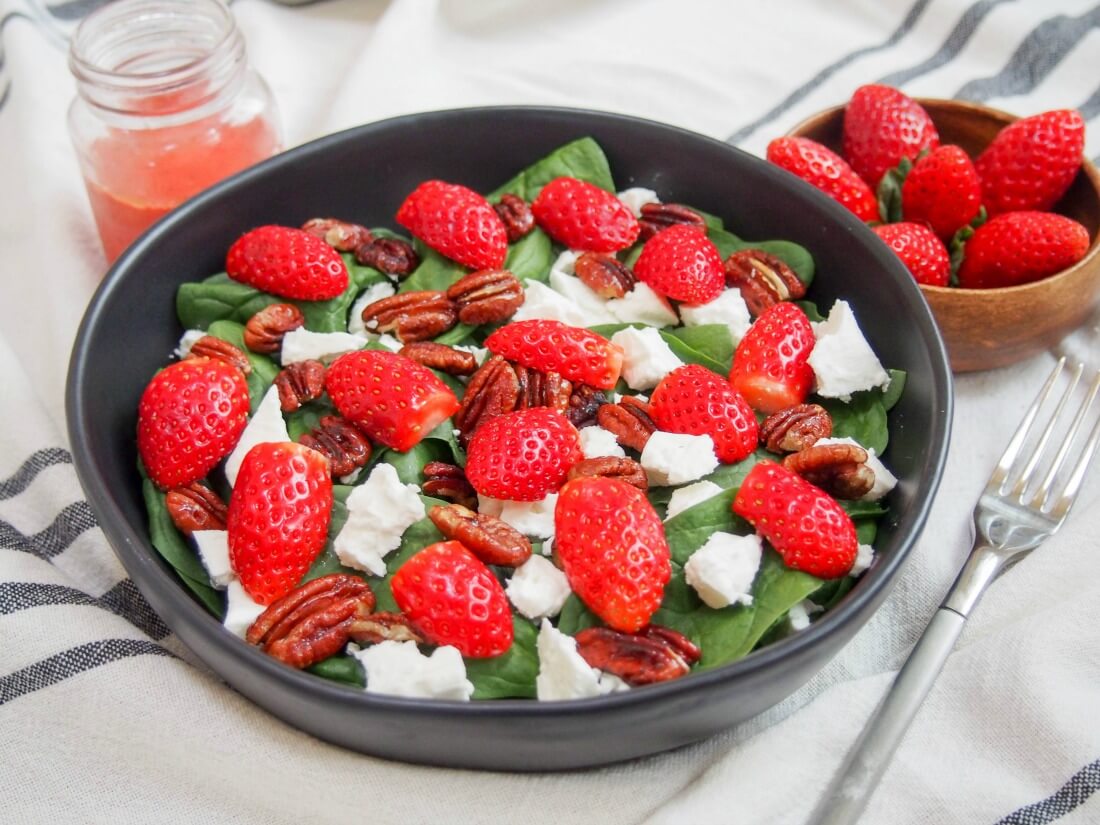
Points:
[(278, 517), (522, 455), (454, 599), (943, 191), (822, 167), (919, 249), (681, 263), (1020, 247), (805, 525), (613, 550), (1031, 163), (693, 400), (771, 366), (576, 354), (881, 126), (579, 215), (288, 262), (456, 222), (189, 418), (392, 399)]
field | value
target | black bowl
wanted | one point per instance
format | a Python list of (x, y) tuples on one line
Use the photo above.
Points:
[(362, 175)]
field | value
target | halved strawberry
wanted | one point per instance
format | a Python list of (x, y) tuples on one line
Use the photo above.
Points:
[(771, 365), (392, 399), (288, 262), (693, 400), (456, 222), (682, 263), (881, 126), (550, 346), (942, 190), (820, 166), (522, 455), (919, 249), (579, 215), (1019, 247)]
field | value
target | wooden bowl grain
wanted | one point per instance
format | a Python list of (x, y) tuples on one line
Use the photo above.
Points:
[(988, 328)]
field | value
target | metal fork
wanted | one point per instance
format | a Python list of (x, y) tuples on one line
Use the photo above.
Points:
[(1013, 516)]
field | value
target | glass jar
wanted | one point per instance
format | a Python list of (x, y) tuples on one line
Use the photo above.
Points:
[(167, 104)]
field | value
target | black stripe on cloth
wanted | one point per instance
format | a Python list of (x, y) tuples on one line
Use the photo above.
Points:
[(124, 600), (38, 462), (1043, 49), (806, 88), (70, 662), (75, 519), (1080, 787)]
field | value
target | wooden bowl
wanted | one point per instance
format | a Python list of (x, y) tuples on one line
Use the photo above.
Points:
[(987, 328)]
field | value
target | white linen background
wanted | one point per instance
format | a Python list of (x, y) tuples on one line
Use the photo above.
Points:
[(1010, 732)]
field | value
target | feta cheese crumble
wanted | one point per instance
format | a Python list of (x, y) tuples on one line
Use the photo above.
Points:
[(675, 458), (400, 669), (532, 518), (728, 309), (583, 297), (646, 357), (799, 616), (240, 610), (865, 555), (885, 481), (213, 547), (375, 292), (563, 673), (542, 303), (684, 498), (538, 589), (380, 510), (841, 359), (265, 427), (302, 345), (722, 570), (597, 442), (643, 306), (636, 197), (188, 340)]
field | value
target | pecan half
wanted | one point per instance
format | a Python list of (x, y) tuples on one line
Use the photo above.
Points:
[(486, 296), (795, 428), (264, 331), (194, 507), (658, 216), (541, 389), (629, 421), (624, 469), (637, 660), (211, 347), (674, 638), (838, 469), (764, 280), (516, 215), (412, 316), (391, 256), (341, 235), (584, 402), (605, 275), (383, 627), (341, 441), (440, 357), (299, 383), (448, 481), (493, 390), (487, 537)]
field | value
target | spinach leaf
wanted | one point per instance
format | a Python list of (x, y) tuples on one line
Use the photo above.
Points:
[(575, 617), (444, 433), (332, 315), (709, 345), (866, 530), (530, 258), (264, 369), (726, 476), (308, 417), (340, 668), (797, 257), (862, 509), (811, 310), (582, 159), (863, 418), (892, 394), (434, 273), (511, 674), (410, 464), (458, 334), (686, 532)]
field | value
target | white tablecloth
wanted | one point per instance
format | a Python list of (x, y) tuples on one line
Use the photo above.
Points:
[(105, 717)]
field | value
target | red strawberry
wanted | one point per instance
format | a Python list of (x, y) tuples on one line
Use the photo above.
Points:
[(1020, 247), (882, 126), (820, 166), (693, 400), (919, 249), (454, 599), (189, 418), (278, 517), (392, 399), (802, 522), (943, 191), (770, 366), (456, 222), (1032, 162), (288, 262), (582, 216), (613, 549), (682, 263), (522, 455), (576, 354)]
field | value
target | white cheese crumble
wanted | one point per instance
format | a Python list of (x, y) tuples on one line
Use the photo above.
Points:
[(684, 498), (380, 510), (636, 197), (538, 589), (842, 360), (865, 555), (563, 673), (302, 345), (479, 353), (240, 610), (188, 340), (643, 306), (583, 296), (565, 263), (532, 518), (597, 442), (213, 547), (265, 427), (722, 570), (542, 303), (885, 481), (389, 342), (728, 309), (646, 357), (375, 292), (400, 669), (676, 458), (799, 615)]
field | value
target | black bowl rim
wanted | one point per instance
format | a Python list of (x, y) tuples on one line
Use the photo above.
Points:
[(135, 551)]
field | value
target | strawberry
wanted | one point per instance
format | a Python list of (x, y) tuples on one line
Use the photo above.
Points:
[(576, 354), (613, 550), (820, 166), (583, 216), (682, 263), (456, 222), (454, 599), (943, 191), (278, 517), (288, 262), (802, 522), (392, 399), (882, 126), (522, 455), (693, 400), (189, 418), (1019, 247), (1031, 163), (770, 366), (919, 249)]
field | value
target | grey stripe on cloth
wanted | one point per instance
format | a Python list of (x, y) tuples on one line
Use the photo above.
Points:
[(1091, 107), (1080, 787), (71, 662), (72, 9), (123, 600), (38, 462), (70, 523), (1036, 56)]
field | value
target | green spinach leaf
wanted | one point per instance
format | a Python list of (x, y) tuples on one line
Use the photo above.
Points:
[(530, 258), (582, 159), (340, 668), (708, 345), (575, 617), (511, 674), (863, 418), (796, 256), (434, 273)]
